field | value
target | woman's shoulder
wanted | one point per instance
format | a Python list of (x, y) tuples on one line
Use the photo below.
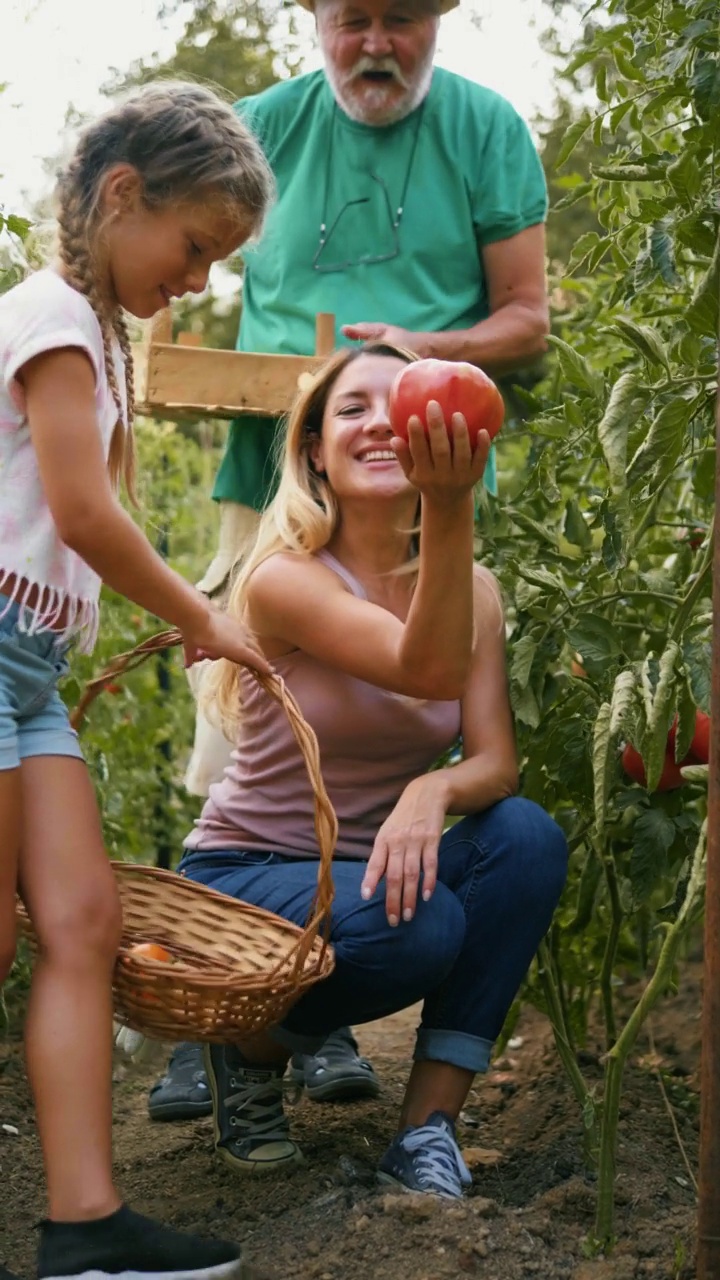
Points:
[(289, 569)]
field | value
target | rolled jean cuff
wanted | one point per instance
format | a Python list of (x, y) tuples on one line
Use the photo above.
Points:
[(296, 1042), (472, 1053)]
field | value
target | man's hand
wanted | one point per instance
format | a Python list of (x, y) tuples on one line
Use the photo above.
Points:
[(390, 333)]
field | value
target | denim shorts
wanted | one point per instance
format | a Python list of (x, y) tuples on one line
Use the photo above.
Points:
[(34, 720)]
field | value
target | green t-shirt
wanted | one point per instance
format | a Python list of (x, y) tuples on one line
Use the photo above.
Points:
[(470, 175)]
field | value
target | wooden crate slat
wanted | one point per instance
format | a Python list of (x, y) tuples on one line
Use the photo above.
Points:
[(182, 380)]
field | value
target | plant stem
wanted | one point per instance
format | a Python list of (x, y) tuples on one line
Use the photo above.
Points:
[(567, 1055), (649, 517), (611, 945), (617, 1056), (696, 589), (605, 1204)]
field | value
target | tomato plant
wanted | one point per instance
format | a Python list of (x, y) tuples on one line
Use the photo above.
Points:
[(617, 455), (457, 387)]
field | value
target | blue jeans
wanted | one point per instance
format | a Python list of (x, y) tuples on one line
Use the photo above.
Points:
[(33, 717), (464, 954)]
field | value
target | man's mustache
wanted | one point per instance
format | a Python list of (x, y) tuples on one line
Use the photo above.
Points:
[(388, 65)]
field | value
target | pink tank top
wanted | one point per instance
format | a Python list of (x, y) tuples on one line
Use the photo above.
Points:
[(372, 744)]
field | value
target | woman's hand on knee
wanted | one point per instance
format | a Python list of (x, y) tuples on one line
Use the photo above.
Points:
[(406, 850)]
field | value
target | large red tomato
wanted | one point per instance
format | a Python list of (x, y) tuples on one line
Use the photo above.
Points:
[(670, 777), (700, 745), (699, 751), (457, 387)]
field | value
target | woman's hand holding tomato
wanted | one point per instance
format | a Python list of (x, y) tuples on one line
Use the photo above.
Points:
[(441, 470), (406, 848)]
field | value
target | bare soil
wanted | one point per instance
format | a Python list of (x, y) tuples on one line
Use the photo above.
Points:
[(529, 1213)]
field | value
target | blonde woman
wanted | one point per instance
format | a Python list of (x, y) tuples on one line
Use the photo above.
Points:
[(363, 593)]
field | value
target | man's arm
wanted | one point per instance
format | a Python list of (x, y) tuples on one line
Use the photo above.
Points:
[(514, 332)]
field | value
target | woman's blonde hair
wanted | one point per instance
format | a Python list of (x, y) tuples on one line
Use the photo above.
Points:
[(186, 145), (302, 516)]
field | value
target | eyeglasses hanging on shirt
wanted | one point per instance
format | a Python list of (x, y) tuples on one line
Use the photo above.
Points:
[(329, 256)]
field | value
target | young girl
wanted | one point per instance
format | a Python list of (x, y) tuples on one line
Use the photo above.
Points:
[(158, 189)]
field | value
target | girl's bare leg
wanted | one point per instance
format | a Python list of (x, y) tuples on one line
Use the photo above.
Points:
[(10, 801), (69, 890)]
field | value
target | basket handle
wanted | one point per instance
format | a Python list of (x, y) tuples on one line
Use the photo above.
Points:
[(326, 825)]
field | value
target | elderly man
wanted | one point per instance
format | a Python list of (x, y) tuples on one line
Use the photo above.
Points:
[(411, 204)]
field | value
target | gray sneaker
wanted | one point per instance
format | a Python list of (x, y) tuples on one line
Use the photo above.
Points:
[(252, 1133), (183, 1092), (336, 1073), (427, 1158)]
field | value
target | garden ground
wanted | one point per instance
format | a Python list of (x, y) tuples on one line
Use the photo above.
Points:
[(530, 1209)]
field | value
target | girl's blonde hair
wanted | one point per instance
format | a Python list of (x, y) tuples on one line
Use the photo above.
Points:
[(302, 516), (187, 145)]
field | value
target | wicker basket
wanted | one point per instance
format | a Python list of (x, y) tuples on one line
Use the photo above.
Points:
[(236, 969)]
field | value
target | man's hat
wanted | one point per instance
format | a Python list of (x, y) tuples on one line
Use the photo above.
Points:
[(444, 6)]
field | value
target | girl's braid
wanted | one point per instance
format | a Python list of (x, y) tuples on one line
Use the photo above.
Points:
[(186, 144), (77, 260)]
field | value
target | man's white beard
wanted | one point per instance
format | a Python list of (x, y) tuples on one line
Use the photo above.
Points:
[(368, 103)]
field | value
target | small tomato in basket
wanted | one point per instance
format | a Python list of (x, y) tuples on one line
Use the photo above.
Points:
[(151, 951), (456, 386)]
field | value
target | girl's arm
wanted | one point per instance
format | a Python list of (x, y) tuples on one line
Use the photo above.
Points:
[(59, 390), (300, 602), (407, 843)]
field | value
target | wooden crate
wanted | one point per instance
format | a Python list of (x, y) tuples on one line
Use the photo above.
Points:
[(181, 379)]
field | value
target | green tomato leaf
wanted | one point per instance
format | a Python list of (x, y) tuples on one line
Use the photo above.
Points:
[(542, 577), (705, 85), (663, 444), (623, 717), (686, 711), (696, 772), (576, 369), (575, 527), (653, 834), (614, 425), (597, 642), (522, 659), (697, 656), (573, 136), (703, 313), (588, 885), (526, 593), (644, 339), (525, 705), (659, 716), (601, 762)]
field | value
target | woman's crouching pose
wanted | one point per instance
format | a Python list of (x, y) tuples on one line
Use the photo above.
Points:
[(363, 592)]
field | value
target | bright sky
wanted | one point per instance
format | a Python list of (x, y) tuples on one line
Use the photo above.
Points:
[(58, 52)]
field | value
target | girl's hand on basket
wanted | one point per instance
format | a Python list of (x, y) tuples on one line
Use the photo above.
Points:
[(406, 846), (224, 637), (442, 470)]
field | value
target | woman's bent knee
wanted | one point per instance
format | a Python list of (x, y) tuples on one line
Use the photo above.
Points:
[(435, 936), (543, 847)]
